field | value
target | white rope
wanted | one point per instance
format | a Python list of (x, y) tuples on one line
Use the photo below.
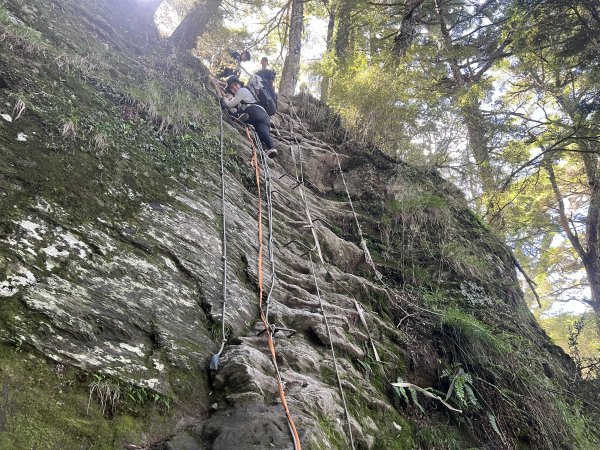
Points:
[(363, 241), (322, 309), (214, 363), (269, 200)]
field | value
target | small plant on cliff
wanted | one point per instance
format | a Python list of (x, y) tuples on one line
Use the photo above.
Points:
[(401, 391), (474, 342), (461, 388), (112, 393), (107, 393), (19, 108), (69, 130)]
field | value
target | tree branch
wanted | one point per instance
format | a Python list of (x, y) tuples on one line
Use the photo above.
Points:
[(564, 220)]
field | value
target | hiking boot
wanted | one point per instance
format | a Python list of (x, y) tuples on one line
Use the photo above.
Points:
[(243, 117), (272, 153)]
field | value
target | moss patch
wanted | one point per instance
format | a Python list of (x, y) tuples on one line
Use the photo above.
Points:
[(47, 406)]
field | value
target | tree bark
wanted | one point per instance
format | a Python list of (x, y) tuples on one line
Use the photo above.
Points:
[(341, 35), (291, 65), (408, 28), (136, 17), (470, 111), (194, 24), (326, 80)]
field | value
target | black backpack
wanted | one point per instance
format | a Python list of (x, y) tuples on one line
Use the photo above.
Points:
[(264, 99)]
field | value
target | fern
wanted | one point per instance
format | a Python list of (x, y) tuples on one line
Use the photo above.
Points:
[(413, 395), (492, 420), (401, 391)]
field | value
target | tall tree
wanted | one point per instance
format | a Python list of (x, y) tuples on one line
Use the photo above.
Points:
[(136, 16), (471, 47), (408, 26), (325, 80), (194, 24), (291, 65), (341, 39), (555, 93)]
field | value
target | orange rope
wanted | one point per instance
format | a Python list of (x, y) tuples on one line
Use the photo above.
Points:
[(288, 414)]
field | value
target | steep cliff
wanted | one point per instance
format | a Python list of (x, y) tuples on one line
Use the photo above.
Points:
[(111, 271)]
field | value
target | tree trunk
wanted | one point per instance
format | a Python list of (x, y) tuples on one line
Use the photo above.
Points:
[(341, 35), (591, 162), (479, 143), (325, 81), (590, 253), (593, 276), (291, 66), (471, 113), (136, 17), (408, 28), (194, 24)]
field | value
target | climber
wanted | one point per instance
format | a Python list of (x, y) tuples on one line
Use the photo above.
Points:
[(248, 110), (227, 63), (268, 77)]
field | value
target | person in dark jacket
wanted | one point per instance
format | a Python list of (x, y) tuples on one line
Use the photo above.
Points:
[(268, 77), (227, 63), (244, 101)]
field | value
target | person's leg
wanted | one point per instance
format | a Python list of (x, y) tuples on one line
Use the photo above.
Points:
[(261, 121), (265, 137)]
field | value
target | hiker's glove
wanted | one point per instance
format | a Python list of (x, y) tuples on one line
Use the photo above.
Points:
[(222, 100)]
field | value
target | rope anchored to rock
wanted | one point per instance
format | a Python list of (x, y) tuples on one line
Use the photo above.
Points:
[(214, 361), (263, 316)]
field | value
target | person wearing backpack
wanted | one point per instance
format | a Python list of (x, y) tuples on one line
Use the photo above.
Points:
[(268, 77), (247, 105)]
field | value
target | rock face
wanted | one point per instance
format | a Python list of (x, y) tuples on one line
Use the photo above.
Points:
[(111, 267)]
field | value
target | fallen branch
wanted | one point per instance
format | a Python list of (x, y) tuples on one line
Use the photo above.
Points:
[(426, 393)]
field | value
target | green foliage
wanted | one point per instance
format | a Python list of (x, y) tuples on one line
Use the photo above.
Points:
[(18, 35), (494, 424), (173, 111), (474, 341), (583, 430), (417, 204), (110, 393), (576, 334), (4, 16), (462, 388), (588, 366), (401, 392), (46, 407), (440, 437), (17, 342), (333, 434), (464, 258), (475, 294)]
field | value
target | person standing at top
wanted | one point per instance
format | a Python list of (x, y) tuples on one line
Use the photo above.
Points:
[(228, 62), (268, 77), (250, 111)]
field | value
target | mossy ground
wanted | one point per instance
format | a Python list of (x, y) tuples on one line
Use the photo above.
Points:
[(48, 406)]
